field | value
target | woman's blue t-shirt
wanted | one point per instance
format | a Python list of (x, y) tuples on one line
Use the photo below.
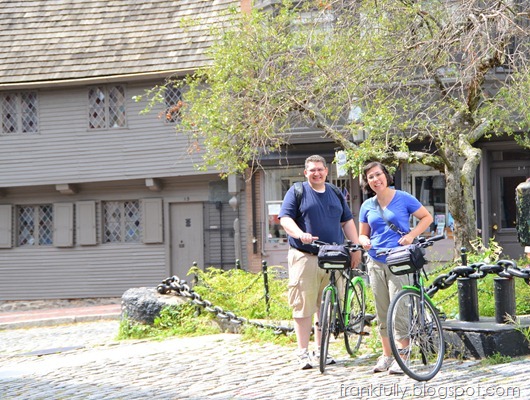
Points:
[(398, 212)]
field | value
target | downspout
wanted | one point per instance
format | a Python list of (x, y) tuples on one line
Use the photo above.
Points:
[(254, 223)]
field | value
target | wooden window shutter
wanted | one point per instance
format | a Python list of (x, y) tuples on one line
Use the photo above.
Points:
[(86, 222), (63, 224), (6, 224), (152, 221)]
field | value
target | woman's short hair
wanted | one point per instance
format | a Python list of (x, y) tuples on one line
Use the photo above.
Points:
[(365, 186)]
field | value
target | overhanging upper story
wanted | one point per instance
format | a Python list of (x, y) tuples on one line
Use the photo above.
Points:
[(68, 76)]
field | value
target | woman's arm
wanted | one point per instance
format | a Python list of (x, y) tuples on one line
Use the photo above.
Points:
[(425, 220)]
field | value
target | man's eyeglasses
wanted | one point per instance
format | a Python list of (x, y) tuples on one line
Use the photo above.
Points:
[(316, 170)]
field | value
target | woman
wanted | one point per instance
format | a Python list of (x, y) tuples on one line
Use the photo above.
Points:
[(384, 224)]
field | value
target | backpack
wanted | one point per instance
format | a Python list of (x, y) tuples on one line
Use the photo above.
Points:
[(299, 192)]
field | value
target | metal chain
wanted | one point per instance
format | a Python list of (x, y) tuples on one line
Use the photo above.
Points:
[(181, 288), (503, 268)]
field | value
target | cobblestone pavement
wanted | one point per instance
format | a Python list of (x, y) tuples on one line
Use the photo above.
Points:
[(84, 361)]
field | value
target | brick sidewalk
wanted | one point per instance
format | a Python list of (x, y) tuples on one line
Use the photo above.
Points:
[(57, 316)]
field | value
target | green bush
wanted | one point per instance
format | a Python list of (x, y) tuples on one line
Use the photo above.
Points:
[(174, 320), (236, 291), (243, 293)]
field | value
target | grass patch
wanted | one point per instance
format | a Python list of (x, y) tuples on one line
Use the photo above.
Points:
[(495, 359), (178, 320)]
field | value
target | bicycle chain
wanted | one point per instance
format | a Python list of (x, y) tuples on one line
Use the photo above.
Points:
[(181, 288)]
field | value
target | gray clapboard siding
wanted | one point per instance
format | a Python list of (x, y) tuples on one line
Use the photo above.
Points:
[(101, 271), (65, 151)]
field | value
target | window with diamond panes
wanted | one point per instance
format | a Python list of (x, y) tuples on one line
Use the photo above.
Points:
[(122, 222), (35, 225), (173, 99), (18, 112), (106, 105)]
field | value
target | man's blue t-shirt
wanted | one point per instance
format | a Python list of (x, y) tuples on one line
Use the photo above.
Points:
[(398, 212), (320, 214)]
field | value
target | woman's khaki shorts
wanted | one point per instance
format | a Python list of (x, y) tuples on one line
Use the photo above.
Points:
[(306, 283), (385, 285)]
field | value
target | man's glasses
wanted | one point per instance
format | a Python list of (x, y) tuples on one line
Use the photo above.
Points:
[(316, 170)]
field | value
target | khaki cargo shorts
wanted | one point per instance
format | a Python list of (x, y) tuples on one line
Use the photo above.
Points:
[(306, 283)]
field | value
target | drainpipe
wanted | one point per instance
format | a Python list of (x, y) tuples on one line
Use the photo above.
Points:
[(254, 223)]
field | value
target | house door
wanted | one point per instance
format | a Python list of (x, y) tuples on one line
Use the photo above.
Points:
[(504, 180), (187, 244)]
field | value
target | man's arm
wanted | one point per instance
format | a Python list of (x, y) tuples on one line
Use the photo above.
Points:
[(292, 229), (350, 231)]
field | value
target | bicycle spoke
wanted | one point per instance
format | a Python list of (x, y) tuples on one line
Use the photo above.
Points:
[(355, 303), (415, 330)]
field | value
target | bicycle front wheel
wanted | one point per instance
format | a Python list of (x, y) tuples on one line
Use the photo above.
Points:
[(326, 317), (416, 335), (355, 310)]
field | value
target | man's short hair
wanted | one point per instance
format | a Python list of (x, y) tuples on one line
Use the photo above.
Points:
[(315, 158)]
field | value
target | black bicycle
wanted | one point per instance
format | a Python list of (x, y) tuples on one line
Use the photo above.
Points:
[(414, 327), (350, 318)]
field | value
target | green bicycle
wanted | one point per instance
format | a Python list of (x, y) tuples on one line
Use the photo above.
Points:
[(414, 327), (350, 318)]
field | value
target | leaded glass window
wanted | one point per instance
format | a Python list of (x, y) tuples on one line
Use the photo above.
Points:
[(106, 107), (173, 99), (19, 112), (35, 225), (122, 222)]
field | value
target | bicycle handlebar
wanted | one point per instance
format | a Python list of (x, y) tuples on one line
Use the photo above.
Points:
[(349, 245), (422, 242)]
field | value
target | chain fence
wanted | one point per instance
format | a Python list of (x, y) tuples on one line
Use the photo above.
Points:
[(181, 288), (478, 270)]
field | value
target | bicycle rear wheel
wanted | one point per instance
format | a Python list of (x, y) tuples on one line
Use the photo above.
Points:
[(355, 310), (326, 318), (416, 335)]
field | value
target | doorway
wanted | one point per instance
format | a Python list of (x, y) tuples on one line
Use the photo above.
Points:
[(504, 181), (187, 244)]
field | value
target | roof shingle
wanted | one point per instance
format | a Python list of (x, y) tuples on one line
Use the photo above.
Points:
[(47, 40)]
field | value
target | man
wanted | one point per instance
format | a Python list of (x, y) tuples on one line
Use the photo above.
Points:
[(320, 214)]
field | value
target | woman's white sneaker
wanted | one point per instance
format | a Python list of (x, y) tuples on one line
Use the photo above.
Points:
[(383, 363)]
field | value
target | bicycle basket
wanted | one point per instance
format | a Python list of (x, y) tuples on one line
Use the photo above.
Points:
[(405, 259), (333, 256)]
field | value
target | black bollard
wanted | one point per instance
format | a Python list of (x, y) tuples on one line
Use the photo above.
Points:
[(266, 283), (468, 299), (504, 293)]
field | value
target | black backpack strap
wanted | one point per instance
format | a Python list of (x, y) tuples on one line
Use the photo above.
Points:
[(299, 192)]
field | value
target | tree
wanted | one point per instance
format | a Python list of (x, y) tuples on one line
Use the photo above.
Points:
[(423, 74)]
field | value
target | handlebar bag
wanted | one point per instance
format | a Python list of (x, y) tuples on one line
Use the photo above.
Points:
[(405, 259), (334, 256)]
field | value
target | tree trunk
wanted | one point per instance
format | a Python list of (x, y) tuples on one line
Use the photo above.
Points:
[(460, 169)]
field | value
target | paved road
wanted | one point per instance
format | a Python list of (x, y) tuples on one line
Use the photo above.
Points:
[(95, 366)]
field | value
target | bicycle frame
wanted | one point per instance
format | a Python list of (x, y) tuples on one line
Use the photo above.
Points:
[(342, 314), (418, 287), (332, 286), (348, 296)]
